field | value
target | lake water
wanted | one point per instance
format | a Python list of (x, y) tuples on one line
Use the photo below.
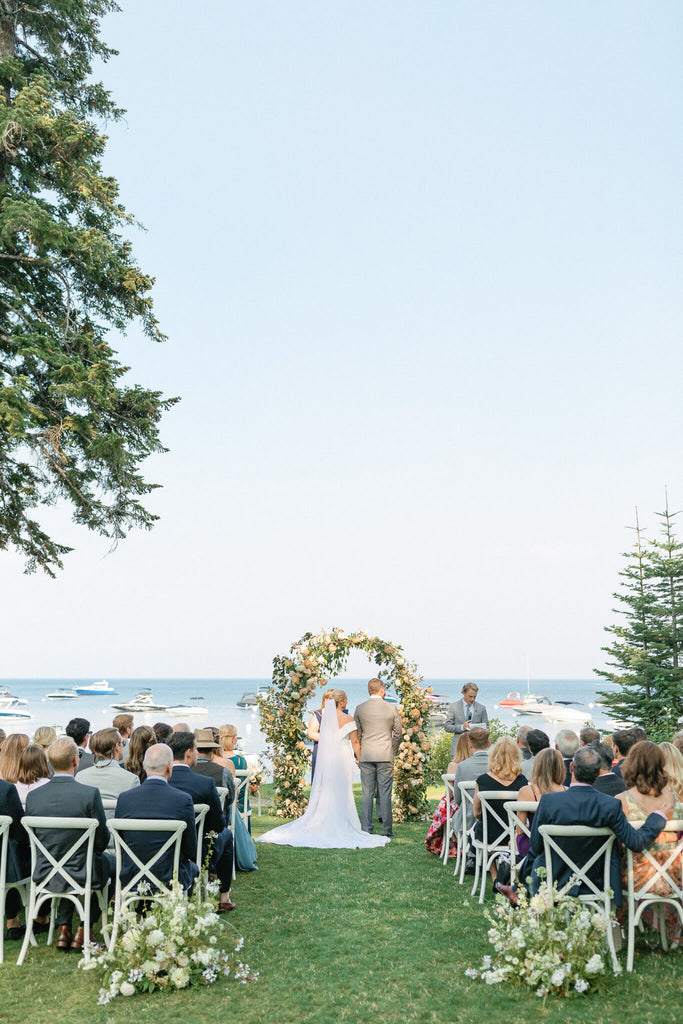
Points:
[(221, 696)]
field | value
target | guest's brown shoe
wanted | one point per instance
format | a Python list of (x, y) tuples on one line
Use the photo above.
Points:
[(64, 938), (79, 941), (226, 905)]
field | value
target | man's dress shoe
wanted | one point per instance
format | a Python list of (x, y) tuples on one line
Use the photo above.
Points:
[(64, 938)]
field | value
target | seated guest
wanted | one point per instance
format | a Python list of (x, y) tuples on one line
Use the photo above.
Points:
[(469, 770), (638, 733), (203, 791), (79, 731), (107, 774), (44, 737), (645, 774), (155, 798), (162, 731), (622, 740), (537, 741), (522, 743), (505, 775), (205, 766), (62, 797), (678, 741), (221, 756), (124, 724), (141, 740), (181, 727), (567, 742), (589, 736), (34, 771), (10, 755), (581, 804), (607, 781), (673, 766), (18, 863), (547, 776), (435, 835)]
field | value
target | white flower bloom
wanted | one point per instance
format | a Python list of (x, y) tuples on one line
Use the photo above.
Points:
[(180, 977), (599, 922), (155, 937), (595, 964), (471, 973), (127, 989), (541, 991), (557, 977), (581, 985)]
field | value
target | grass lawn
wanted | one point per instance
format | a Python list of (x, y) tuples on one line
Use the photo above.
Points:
[(346, 936)]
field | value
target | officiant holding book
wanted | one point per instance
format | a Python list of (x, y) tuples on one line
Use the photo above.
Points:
[(465, 713)]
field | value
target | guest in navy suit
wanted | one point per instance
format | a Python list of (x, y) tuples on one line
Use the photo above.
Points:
[(202, 790), (607, 781), (583, 805), (155, 798)]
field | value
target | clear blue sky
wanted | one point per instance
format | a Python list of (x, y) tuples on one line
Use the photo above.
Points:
[(420, 268)]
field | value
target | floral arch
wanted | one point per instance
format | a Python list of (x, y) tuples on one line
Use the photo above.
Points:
[(312, 660)]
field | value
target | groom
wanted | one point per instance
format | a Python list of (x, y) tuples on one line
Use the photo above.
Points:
[(379, 732)]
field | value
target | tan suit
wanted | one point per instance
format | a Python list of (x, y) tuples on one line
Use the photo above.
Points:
[(379, 731)]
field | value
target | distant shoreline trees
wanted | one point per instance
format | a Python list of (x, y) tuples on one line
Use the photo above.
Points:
[(69, 428), (647, 650)]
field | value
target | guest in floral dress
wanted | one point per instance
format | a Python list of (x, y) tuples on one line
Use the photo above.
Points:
[(644, 773), (434, 838)]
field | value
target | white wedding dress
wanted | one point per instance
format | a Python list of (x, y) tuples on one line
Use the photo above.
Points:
[(331, 820)]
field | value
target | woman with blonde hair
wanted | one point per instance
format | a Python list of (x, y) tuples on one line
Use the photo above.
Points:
[(435, 835), (44, 736), (10, 755), (313, 730), (673, 766), (504, 774)]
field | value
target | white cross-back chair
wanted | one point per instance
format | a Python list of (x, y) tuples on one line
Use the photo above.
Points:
[(466, 802), (200, 813), (487, 849), (243, 777), (223, 793), (59, 883), (665, 886), (589, 891), (515, 809), (448, 781), (22, 885), (145, 872)]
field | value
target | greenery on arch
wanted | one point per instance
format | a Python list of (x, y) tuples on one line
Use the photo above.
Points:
[(312, 660)]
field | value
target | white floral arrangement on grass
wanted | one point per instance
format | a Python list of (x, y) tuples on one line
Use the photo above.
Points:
[(180, 942), (554, 944)]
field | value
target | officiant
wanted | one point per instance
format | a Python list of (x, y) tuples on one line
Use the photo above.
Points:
[(465, 713)]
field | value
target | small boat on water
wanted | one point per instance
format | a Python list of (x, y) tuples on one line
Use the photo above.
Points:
[(142, 701), (197, 707), (249, 699), (10, 708), (6, 694), (62, 694), (560, 711), (96, 689)]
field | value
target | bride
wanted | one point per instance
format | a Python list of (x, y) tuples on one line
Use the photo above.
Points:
[(331, 819)]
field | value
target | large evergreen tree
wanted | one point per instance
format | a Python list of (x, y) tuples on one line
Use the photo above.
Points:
[(646, 649), (70, 428)]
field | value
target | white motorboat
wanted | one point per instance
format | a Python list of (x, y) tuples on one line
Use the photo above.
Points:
[(10, 708), (543, 707), (198, 707), (142, 702), (5, 694), (249, 699), (62, 694), (102, 688)]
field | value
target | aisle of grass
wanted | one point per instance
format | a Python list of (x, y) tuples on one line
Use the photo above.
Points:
[(351, 936)]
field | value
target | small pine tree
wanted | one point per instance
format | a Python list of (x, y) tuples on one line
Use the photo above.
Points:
[(646, 648)]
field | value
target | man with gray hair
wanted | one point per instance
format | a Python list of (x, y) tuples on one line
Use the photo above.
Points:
[(522, 743), (155, 798), (63, 797), (567, 742)]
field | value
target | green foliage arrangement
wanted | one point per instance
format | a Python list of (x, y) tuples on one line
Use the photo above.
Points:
[(181, 942), (554, 944), (70, 429), (295, 677), (647, 650)]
